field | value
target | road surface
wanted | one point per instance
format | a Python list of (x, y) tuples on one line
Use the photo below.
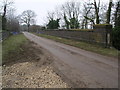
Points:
[(86, 69)]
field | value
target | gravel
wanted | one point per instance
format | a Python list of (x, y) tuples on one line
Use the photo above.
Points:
[(22, 75), (37, 72), (0, 77)]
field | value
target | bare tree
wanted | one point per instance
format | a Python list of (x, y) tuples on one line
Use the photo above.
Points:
[(97, 11), (51, 16), (109, 12), (67, 23), (53, 20), (28, 17), (5, 5), (0, 22), (93, 13), (117, 15), (71, 12), (102, 13), (87, 13), (12, 21)]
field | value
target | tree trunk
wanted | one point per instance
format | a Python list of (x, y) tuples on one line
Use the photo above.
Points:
[(28, 27), (117, 15), (86, 24), (4, 20), (66, 21), (96, 12), (109, 12)]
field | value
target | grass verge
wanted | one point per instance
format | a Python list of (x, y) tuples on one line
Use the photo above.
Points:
[(0, 53), (84, 45), (12, 46)]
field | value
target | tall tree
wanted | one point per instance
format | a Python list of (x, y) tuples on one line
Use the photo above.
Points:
[(12, 21), (71, 12), (74, 23), (53, 20), (97, 11), (67, 23), (117, 14), (0, 22), (88, 15), (28, 17), (91, 13), (86, 11), (116, 30), (5, 5), (109, 12), (51, 16)]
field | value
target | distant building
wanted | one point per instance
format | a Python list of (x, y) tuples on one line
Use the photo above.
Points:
[(23, 27)]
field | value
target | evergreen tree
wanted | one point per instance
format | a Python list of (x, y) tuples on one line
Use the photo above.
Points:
[(53, 24), (116, 30)]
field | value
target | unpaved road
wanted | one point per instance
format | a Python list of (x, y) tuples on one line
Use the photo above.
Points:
[(85, 69)]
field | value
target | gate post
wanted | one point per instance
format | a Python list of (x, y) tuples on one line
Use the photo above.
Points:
[(105, 30)]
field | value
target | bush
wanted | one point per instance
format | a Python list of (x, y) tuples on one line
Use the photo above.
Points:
[(116, 37)]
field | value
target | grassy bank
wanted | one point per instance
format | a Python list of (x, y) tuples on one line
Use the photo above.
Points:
[(83, 45), (0, 53), (12, 45)]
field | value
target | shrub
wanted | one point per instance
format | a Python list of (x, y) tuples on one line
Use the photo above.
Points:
[(116, 37)]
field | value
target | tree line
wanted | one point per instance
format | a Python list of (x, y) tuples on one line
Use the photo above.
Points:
[(83, 15), (70, 15), (12, 22), (77, 15)]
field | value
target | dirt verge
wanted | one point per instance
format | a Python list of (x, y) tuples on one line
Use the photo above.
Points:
[(31, 68)]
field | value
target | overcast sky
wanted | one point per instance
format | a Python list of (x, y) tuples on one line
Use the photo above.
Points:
[(40, 7)]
